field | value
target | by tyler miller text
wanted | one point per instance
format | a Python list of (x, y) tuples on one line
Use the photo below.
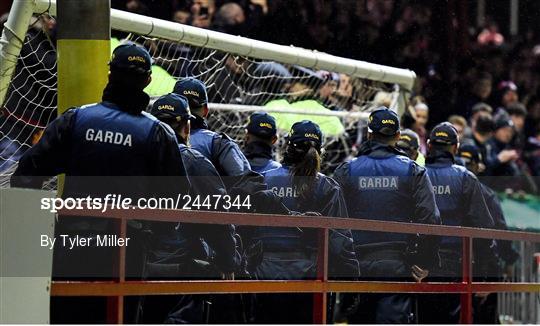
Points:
[(73, 241)]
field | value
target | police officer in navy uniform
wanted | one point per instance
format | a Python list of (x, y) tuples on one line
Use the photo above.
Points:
[(409, 142), (174, 110), (290, 253), (112, 138), (224, 153), (261, 135), (384, 184), (221, 150), (461, 203), (193, 243), (485, 305), (112, 147), (232, 166)]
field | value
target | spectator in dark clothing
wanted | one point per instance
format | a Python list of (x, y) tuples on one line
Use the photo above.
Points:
[(532, 156), (506, 95), (501, 158), (482, 131), (477, 110)]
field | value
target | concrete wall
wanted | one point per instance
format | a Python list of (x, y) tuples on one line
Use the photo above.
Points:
[(25, 266)]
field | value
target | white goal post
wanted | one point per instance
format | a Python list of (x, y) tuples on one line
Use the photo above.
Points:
[(15, 28)]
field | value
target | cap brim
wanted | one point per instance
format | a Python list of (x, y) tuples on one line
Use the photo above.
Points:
[(387, 132), (384, 131), (404, 145)]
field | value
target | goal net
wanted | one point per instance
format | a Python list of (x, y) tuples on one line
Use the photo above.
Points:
[(268, 79)]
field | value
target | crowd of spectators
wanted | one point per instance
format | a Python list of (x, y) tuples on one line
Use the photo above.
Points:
[(480, 68)]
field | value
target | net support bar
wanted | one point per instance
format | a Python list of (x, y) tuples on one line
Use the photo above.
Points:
[(12, 40), (152, 27), (253, 108)]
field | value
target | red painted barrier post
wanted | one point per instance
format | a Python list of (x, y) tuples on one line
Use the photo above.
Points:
[(115, 305), (466, 298), (319, 299)]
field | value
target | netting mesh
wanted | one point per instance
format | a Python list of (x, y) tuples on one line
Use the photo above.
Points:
[(30, 102), (288, 92), (237, 86)]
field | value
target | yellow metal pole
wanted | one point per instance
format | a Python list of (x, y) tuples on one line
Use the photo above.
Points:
[(83, 51)]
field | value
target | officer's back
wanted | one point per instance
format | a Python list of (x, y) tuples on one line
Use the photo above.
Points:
[(488, 266), (261, 135), (199, 251), (303, 188), (383, 184), (471, 158), (112, 147), (461, 203), (224, 153), (290, 253), (221, 150), (113, 138), (173, 110), (457, 191)]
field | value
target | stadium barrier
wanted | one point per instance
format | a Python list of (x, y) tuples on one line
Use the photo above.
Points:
[(523, 308), (117, 289)]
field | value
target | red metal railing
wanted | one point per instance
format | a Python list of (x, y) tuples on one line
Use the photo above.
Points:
[(116, 290)]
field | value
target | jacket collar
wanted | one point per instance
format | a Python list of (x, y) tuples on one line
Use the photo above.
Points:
[(258, 149), (378, 150), (440, 158), (198, 123), (125, 99)]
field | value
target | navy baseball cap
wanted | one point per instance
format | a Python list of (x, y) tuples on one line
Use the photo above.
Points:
[(469, 153), (131, 57), (444, 133), (306, 130), (262, 124), (408, 140), (193, 89), (383, 121), (171, 106)]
